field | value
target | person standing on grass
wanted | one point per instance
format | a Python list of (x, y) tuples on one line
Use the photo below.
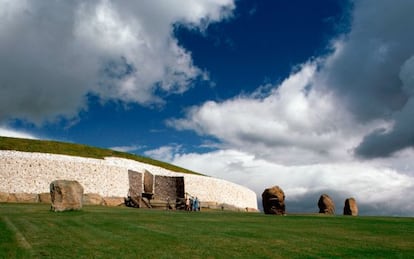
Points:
[(190, 208), (187, 204), (195, 204)]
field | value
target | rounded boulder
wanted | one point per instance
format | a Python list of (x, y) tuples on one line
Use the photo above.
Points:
[(273, 200)]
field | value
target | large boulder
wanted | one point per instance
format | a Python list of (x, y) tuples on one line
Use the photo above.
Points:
[(66, 195), (273, 200), (351, 207), (326, 205)]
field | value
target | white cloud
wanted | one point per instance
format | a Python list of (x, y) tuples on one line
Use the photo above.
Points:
[(164, 153), (55, 53), (126, 148), (6, 132), (377, 189), (370, 71), (302, 134), (292, 124)]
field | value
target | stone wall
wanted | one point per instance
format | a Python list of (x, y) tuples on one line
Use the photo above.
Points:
[(24, 172), (168, 187)]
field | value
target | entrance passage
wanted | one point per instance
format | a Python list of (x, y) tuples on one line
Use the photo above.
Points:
[(149, 191)]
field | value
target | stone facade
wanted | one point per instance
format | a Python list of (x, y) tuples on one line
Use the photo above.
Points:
[(24, 172), (168, 188)]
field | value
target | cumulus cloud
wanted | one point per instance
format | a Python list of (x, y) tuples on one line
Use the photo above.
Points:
[(55, 53), (372, 71), (357, 99), (313, 132), (377, 189), (164, 153), (382, 143), (292, 124)]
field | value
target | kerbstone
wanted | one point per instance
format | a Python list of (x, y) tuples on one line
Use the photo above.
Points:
[(66, 195)]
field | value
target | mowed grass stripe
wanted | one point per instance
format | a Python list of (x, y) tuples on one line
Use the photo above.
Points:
[(21, 240)]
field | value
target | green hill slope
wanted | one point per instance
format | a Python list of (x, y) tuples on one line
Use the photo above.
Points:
[(54, 147)]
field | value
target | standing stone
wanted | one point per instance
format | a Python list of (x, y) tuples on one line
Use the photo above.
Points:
[(326, 205), (273, 200), (351, 207), (66, 195), (148, 182)]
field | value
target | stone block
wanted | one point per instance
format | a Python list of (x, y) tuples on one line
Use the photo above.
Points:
[(113, 201), (25, 197), (135, 183), (4, 196), (92, 199), (66, 195), (168, 188), (45, 197), (148, 182)]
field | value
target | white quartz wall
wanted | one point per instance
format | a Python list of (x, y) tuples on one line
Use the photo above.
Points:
[(23, 172), (33, 173)]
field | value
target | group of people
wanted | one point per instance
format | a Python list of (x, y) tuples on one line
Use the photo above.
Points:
[(192, 204)]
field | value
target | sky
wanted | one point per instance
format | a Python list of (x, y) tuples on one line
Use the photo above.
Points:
[(313, 96)]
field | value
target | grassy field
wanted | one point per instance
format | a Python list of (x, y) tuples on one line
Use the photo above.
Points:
[(54, 147), (103, 232)]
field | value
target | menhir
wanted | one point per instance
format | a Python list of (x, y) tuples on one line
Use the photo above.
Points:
[(274, 201), (326, 205), (351, 207)]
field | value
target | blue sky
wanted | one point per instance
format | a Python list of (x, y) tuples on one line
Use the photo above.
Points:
[(259, 43), (313, 96)]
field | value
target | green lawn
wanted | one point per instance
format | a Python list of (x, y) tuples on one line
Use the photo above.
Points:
[(103, 232)]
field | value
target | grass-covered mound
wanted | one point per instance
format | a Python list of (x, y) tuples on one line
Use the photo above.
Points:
[(103, 232), (54, 147)]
